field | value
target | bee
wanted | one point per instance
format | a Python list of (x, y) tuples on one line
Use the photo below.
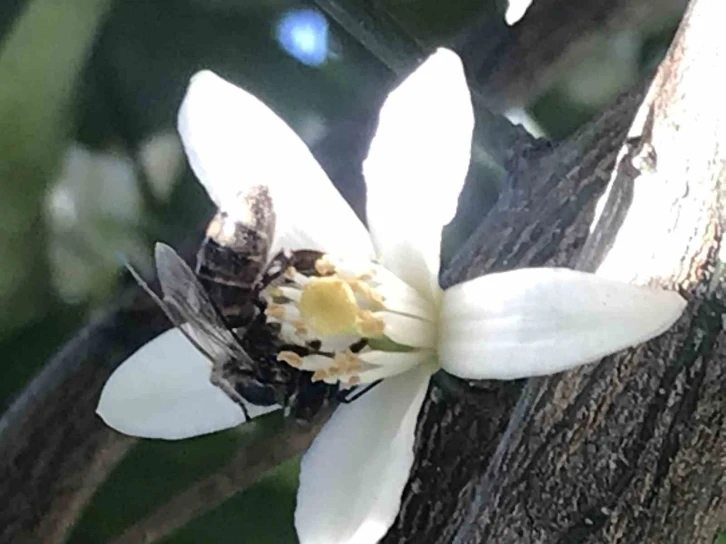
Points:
[(219, 308)]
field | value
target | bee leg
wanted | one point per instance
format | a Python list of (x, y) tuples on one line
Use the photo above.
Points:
[(227, 388), (276, 268), (345, 398)]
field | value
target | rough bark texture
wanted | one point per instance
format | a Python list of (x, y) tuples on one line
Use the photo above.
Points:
[(54, 451), (632, 449), (542, 219)]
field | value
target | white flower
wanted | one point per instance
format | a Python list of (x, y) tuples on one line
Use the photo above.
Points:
[(501, 326)]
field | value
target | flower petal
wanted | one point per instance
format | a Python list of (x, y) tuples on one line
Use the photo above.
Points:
[(353, 475), (163, 391), (416, 167), (233, 141), (538, 321)]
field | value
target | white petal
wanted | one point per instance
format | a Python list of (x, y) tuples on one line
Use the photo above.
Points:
[(538, 321), (163, 391), (416, 167), (353, 475), (234, 141)]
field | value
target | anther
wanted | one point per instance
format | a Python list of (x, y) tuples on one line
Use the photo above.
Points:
[(324, 266), (275, 310), (370, 326), (291, 358)]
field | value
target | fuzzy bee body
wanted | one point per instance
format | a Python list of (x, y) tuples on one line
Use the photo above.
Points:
[(219, 308), (232, 258)]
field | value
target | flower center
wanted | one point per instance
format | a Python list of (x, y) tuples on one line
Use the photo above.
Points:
[(358, 321), (328, 306)]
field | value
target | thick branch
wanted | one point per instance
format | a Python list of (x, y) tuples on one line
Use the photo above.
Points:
[(542, 219), (247, 467), (632, 449), (50, 437)]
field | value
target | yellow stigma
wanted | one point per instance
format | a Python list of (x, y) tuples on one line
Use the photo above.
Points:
[(328, 306)]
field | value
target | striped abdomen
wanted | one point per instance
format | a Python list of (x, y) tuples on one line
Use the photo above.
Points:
[(234, 254)]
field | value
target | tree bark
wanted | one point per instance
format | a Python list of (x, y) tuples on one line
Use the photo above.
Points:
[(632, 449)]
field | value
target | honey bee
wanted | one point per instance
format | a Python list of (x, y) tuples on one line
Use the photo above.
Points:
[(219, 308)]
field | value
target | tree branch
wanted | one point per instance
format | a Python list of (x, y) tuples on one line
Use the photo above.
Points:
[(542, 219), (247, 467), (632, 449), (50, 437)]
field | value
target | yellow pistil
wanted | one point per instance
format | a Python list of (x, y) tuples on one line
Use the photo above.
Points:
[(328, 306)]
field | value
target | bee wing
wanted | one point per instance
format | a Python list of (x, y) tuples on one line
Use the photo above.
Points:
[(189, 303)]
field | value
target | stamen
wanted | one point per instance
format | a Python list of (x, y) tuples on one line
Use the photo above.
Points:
[(369, 325), (324, 266), (316, 362), (408, 331), (291, 358), (346, 304), (338, 342), (300, 327), (275, 310), (347, 361), (320, 375), (403, 360), (290, 293), (290, 273), (291, 335), (286, 311), (367, 293)]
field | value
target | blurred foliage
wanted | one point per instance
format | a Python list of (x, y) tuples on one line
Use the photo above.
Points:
[(142, 482), (111, 80), (36, 99)]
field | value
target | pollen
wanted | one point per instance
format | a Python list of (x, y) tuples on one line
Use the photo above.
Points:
[(369, 294), (275, 292), (300, 327), (324, 266), (370, 326), (355, 321), (275, 310), (291, 358), (328, 306)]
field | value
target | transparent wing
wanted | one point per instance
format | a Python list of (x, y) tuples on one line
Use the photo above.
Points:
[(189, 303)]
